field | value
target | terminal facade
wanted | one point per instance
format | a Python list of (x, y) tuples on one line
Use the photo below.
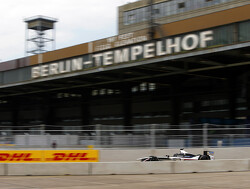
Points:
[(173, 62)]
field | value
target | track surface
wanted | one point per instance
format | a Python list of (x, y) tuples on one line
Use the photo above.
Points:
[(228, 180)]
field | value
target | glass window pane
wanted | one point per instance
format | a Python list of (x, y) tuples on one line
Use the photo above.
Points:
[(244, 31), (125, 18)]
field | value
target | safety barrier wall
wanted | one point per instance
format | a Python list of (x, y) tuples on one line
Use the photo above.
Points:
[(48, 156), (108, 168), (118, 155), (122, 155), (46, 169)]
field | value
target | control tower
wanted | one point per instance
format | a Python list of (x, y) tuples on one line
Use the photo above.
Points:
[(40, 34)]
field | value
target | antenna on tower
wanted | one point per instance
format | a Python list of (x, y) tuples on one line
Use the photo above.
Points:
[(153, 26), (151, 20), (40, 34)]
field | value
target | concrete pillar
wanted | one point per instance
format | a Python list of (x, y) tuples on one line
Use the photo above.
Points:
[(98, 139), (205, 135), (232, 96), (15, 109), (152, 136), (127, 107), (85, 107), (196, 110), (15, 114), (247, 93), (50, 117), (48, 110), (175, 105)]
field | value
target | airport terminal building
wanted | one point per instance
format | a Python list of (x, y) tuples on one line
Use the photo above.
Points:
[(173, 62)]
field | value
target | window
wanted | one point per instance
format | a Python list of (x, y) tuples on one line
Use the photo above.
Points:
[(156, 11), (134, 89), (110, 91), (125, 18), (144, 13), (102, 92), (139, 14), (131, 18), (152, 86), (167, 8), (244, 31), (181, 5), (143, 87), (94, 92)]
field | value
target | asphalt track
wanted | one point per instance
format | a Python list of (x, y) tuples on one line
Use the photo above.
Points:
[(226, 180)]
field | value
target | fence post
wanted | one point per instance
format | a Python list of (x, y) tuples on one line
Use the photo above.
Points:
[(231, 139), (98, 135), (42, 128), (205, 126), (152, 136), (27, 139)]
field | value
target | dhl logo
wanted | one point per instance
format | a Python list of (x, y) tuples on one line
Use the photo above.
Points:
[(70, 157), (36, 156), (17, 157)]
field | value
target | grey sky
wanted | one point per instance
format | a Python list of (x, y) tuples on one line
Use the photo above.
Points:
[(79, 21)]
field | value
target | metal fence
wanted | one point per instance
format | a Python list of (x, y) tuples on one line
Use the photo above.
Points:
[(104, 136)]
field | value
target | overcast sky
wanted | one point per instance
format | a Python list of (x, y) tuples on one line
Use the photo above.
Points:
[(79, 21)]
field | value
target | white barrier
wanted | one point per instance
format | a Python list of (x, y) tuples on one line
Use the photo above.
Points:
[(211, 166), (47, 169), (2, 169), (117, 155), (131, 168), (108, 168)]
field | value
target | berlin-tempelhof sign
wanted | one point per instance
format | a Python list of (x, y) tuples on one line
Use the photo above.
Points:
[(126, 54)]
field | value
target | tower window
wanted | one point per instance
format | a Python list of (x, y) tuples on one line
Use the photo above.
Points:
[(131, 18), (181, 5)]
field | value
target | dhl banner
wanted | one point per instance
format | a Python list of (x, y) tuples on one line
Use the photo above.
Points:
[(71, 155), (46, 156), (18, 156)]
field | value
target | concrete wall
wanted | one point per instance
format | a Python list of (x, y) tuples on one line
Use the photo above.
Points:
[(108, 168), (118, 155), (46, 169), (2, 169), (114, 155)]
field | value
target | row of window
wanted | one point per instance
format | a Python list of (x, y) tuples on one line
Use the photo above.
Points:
[(218, 102), (166, 9), (3, 101), (140, 88)]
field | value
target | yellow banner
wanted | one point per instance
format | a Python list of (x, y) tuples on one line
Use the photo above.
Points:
[(40, 156), (71, 156), (21, 156)]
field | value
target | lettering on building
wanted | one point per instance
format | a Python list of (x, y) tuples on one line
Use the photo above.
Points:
[(126, 54)]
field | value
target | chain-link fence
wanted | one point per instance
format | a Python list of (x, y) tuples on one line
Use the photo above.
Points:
[(104, 136)]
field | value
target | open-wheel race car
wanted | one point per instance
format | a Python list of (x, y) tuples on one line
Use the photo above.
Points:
[(182, 156)]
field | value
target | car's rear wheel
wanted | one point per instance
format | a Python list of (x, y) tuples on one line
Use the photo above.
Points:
[(204, 157)]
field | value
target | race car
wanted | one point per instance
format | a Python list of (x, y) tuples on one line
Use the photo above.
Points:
[(182, 156)]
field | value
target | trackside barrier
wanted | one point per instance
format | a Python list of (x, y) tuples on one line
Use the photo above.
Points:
[(46, 156), (118, 155), (50, 169), (108, 168), (3, 168)]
